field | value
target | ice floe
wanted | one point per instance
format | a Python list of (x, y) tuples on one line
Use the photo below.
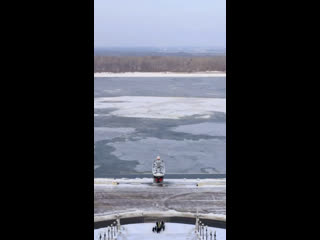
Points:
[(206, 128), (161, 107), (104, 133), (188, 156)]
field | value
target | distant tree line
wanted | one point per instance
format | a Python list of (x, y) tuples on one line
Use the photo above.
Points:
[(158, 64)]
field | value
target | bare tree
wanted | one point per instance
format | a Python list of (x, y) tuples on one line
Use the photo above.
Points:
[(158, 64)]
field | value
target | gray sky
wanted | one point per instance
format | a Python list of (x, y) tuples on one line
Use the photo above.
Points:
[(160, 23)]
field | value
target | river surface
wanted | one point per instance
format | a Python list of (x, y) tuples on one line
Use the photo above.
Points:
[(183, 120)]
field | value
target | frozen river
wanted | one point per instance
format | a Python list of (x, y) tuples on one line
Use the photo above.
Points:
[(181, 119)]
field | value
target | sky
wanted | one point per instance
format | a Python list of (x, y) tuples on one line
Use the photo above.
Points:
[(160, 23)]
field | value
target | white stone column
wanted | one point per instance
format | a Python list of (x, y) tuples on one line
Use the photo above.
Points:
[(118, 224), (202, 231), (112, 230), (206, 232), (197, 224)]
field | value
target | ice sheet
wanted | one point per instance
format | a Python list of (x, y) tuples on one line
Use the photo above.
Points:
[(161, 107)]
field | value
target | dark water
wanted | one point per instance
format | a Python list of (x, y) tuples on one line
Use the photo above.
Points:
[(163, 87)]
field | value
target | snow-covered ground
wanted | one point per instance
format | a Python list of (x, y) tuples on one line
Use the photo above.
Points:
[(160, 107), (175, 197), (147, 182), (160, 74), (172, 231)]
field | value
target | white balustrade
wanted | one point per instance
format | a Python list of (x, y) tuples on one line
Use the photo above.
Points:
[(201, 231), (111, 232)]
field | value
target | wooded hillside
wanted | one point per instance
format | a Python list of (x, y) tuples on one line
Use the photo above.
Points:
[(158, 64)]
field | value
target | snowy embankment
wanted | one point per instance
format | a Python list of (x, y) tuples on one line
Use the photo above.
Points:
[(161, 74), (147, 183), (175, 231)]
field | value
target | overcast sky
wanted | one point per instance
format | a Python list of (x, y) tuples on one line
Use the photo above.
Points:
[(160, 23)]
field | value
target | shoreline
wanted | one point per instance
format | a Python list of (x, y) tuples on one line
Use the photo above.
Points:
[(160, 74)]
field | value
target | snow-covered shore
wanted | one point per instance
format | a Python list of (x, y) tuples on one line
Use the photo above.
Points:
[(140, 198), (141, 181), (160, 74)]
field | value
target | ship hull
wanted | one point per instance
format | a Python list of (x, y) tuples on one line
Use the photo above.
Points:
[(157, 179)]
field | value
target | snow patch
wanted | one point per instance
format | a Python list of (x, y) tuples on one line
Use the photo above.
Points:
[(161, 74)]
